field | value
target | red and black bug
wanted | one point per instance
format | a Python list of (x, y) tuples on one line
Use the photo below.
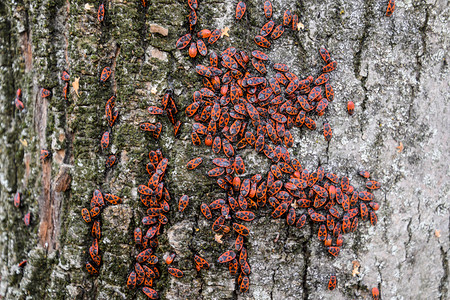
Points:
[(375, 294), (268, 9), (350, 107), (277, 32), (105, 140), (101, 12), (110, 161), (113, 199), (65, 76), (22, 264), (245, 284), (267, 28), (91, 269), (226, 257), (27, 219), (175, 272), (17, 198), (201, 48), (390, 8), (86, 215), (193, 4), (329, 67), (194, 163), (45, 93), (193, 50), (240, 10), (332, 282), (206, 211), (287, 17), (19, 104), (215, 35), (183, 203), (184, 41), (150, 293), (364, 174), (170, 258), (373, 185), (106, 73), (334, 251), (201, 262)]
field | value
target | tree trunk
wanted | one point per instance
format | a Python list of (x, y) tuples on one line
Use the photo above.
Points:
[(395, 70)]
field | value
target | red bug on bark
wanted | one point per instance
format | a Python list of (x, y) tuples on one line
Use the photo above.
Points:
[(45, 93), (350, 107), (27, 219), (110, 161), (17, 198), (106, 73), (262, 41), (91, 269), (175, 272), (215, 35), (183, 203), (277, 32), (184, 41), (226, 257), (332, 282), (268, 9), (65, 76)]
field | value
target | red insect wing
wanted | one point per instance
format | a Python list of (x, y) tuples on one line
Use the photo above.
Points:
[(91, 269), (290, 219), (65, 76)]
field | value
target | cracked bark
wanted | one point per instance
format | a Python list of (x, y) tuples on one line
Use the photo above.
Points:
[(394, 69)]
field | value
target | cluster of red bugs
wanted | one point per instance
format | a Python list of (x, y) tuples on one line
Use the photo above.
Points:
[(169, 109), (199, 46), (92, 215), (99, 201), (155, 197), (237, 109), (269, 30)]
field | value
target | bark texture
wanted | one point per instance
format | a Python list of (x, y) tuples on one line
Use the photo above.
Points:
[(394, 69)]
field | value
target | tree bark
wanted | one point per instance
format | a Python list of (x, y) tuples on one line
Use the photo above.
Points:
[(395, 69)]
